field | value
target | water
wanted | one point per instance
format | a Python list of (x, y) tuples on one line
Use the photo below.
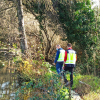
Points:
[(8, 82)]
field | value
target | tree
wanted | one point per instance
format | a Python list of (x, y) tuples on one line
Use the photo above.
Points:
[(8, 23), (78, 21), (80, 25), (42, 10), (22, 35)]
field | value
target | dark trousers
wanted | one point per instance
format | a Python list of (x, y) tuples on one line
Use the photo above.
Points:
[(70, 69)]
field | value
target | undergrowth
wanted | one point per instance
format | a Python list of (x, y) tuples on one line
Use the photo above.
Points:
[(87, 86), (44, 83)]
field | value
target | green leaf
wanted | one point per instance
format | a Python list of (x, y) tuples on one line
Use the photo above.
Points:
[(17, 98), (22, 87)]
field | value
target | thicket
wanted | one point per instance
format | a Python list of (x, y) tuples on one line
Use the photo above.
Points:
[(42, 82), (81, 25), (43, 12), (78, 20), (39, 80)]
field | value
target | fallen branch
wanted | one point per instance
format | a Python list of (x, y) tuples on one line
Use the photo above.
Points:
[(84, 83)]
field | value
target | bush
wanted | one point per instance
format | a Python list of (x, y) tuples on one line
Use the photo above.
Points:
[(47, 86)]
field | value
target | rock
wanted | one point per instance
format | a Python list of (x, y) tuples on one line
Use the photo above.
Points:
[(15, 85), (75, 95), (4, 85), (1, 96), (5, 92), (12, 94)]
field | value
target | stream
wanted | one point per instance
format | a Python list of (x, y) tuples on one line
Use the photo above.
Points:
[(8, 82)]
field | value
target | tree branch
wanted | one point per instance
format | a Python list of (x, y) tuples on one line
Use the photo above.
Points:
[(7, 8), (53, 35)]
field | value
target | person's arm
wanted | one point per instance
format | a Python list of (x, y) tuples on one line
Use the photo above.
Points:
[(57, 55), (65, 58)]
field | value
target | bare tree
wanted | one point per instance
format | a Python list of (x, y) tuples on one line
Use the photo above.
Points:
[(22, 35)]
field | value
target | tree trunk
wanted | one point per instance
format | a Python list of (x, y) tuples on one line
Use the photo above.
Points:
[(48, 47), (22, 35), (48, 44)]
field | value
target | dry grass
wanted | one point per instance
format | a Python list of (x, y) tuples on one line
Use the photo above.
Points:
[(89, 89), (92, 96)]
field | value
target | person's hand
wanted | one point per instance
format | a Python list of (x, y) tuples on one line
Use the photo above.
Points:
[(54, 64), (63, 67)]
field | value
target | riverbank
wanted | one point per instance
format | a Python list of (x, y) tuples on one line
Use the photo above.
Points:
[(8, 83)]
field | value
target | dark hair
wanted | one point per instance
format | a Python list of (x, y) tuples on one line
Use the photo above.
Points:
[(69, 45)]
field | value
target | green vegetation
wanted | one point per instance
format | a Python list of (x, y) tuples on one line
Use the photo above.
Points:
[(79, 20), (80, 27), (73, 22), (48, 81), (43, 84), (87, 86), (80, 24)]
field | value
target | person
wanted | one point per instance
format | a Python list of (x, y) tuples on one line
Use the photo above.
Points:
[(59, 59), (69, 63)]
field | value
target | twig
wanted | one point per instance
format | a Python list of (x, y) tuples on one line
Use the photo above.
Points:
[(7, 8), (84, 83)]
